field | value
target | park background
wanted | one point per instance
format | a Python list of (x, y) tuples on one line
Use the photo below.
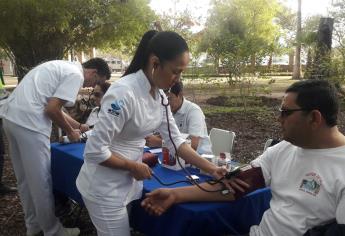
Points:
[(244, 54)]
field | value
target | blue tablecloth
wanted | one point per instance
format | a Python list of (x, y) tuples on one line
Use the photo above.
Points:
[(183, 219)]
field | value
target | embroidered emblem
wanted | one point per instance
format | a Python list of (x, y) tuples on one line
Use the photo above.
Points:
[(311, 184), (116, 107)]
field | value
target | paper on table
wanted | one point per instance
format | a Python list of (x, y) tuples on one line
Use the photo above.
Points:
[(156, 150)]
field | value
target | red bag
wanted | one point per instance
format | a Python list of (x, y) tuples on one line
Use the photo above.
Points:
[(150, 159)]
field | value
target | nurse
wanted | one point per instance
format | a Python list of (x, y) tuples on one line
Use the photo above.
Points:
[(111, 175)]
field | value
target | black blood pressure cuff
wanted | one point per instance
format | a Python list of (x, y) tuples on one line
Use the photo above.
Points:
[(252, 176)]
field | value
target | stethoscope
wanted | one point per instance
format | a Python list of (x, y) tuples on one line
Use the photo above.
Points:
[(191, 180)]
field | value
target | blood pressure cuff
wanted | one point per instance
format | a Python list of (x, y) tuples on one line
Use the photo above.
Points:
[(252, 176)]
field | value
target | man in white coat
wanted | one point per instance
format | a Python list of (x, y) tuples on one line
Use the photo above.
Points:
[(27, 118)]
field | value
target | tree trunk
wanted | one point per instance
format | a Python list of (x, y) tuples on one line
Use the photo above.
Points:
[(252, 63), (28, 53), (297, 66), (322, 61), (291, 60), (269, 63)]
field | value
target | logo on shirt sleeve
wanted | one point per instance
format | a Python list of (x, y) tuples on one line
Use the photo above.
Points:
[(116, 107), (311, 183)]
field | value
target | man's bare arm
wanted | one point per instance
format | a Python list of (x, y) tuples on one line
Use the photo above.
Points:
[(54, 112), (158, 201)]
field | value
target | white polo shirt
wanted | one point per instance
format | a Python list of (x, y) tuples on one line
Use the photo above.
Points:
[(191, 120), (25, 106)]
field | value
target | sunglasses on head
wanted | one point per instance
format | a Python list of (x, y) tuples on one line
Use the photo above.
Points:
[(288, 112)]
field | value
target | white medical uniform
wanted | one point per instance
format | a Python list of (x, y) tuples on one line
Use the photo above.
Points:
[(128, 114), (28, 130), (191, 120), (93, 117)]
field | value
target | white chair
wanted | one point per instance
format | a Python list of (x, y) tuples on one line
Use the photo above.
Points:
[(271, 142), (221, 140), (268, 143)]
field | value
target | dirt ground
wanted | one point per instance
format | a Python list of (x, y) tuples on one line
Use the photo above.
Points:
[(252, 130)]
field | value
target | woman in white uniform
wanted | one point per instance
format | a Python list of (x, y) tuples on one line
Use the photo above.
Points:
[(111, 175)]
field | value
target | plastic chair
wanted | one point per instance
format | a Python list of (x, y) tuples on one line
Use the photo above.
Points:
[(221, 140), (268, 143), (271, 142)]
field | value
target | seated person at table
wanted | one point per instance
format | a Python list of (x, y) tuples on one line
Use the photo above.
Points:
[(189, 119), (305, 171), (97, 95)]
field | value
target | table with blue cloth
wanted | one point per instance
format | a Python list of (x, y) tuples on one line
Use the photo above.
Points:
[(202, 218)]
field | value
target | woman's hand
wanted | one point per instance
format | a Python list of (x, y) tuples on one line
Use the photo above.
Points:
[(153, 141), (74, 135), (84, 127), (140, 171)]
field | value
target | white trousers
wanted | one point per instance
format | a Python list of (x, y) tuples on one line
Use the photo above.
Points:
[(108, 220), (30, 154)]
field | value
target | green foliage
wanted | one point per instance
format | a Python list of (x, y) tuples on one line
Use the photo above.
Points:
[(181, 22), (238, 29), (33, 31), (338, 13), (238, 33)]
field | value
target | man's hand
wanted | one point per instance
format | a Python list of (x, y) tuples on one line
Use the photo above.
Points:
[(232, 184), (140, 171), (153, 141), (158, 201), (74, 135)]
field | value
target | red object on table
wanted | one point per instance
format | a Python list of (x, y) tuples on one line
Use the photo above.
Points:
[(150, 159)]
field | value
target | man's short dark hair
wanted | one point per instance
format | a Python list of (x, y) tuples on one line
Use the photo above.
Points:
[(177, 88), (317, 94), (100, 65)]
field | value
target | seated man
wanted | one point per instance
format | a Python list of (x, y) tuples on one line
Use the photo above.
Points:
[(305, 171), (189, 119)]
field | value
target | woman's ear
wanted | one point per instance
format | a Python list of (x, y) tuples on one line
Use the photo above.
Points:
[(155, 62)]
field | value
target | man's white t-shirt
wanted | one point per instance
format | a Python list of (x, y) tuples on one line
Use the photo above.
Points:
[(308, 188), (191, 120), (26, 105)]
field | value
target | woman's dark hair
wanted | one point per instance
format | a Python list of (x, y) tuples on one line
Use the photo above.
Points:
[(100, 65), (166, 45), (140, 53), (319, 95)]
